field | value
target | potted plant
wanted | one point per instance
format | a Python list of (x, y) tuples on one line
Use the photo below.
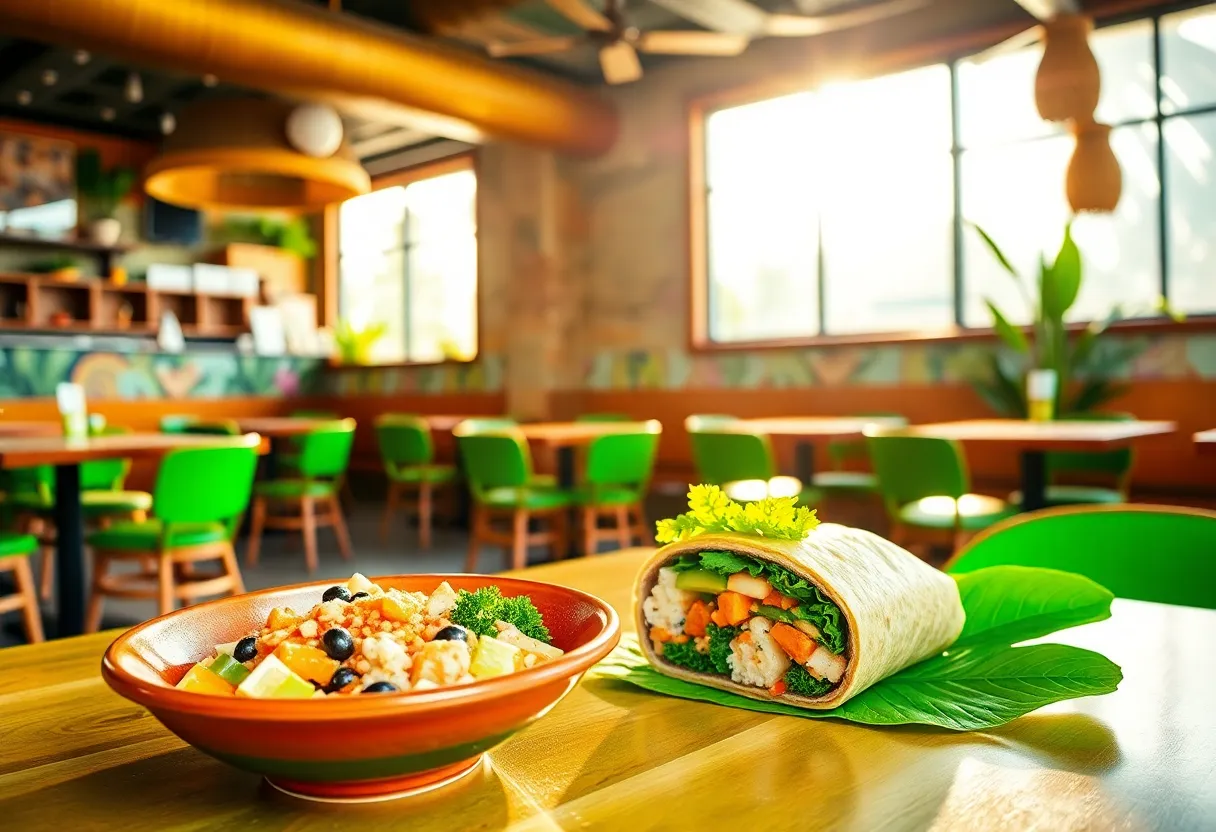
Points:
[(101, 191), (1071, 372), (355, 343), (277, 249)]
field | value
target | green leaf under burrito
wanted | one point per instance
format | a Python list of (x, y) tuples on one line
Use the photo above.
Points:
[(970, 691), (1009, 604)]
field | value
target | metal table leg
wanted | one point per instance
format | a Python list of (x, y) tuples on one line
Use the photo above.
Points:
[(1034, 480), (69, 554)]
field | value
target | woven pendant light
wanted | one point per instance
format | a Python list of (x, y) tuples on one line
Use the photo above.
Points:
[(1067, 84), (1094, 182)]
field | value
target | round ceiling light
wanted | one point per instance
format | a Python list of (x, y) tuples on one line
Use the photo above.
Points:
[(236, 154), (315, 129)]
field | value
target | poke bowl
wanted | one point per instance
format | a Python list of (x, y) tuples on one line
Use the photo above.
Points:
[(349, 716)]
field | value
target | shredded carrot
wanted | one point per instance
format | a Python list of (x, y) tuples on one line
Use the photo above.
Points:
[(778, 689)]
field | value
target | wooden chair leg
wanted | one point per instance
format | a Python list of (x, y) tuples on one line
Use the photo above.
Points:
[(233, 570), (92, 618), (475, 523), (390, 507), (256, 523), (166, 600), (642, 530), (623, 536), (308, 519), (560, 541), (31, 616), (340, 531), (519, 539), (588, 523), (426, 509), (46, 570)]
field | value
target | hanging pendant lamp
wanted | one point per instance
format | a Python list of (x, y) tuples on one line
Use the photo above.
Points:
[(256, 154), (1067, 84), (1094, 182)]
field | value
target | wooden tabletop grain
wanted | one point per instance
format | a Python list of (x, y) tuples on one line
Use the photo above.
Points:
[(610, 757), (559, 434), (1205, 441), (1046, 436), (20, 452), (810, 427)]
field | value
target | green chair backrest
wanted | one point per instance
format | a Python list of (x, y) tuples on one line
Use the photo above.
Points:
[(842, 451), (222, 427), (495, 460), (206, 485), (1116, 463), (325, 451), (723, 457), (1148, 553), (484, 424), (105, 474), (603, 417), (36, 480), (910, 468), (404, 440), (707, 421), (622, 460), (175, 423)]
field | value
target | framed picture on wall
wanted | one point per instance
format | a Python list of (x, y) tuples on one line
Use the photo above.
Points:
[(37, 185)]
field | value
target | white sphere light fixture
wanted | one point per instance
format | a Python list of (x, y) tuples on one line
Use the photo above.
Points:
[(315, 130)]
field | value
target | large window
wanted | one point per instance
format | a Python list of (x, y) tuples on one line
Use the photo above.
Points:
[(846, 209), (408, 260)]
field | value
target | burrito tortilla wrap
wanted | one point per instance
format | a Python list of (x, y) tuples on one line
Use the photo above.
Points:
[(878, 609)]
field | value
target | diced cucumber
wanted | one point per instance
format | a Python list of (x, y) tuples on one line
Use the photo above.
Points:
[(493, 658), (228, 668), (701, 580)]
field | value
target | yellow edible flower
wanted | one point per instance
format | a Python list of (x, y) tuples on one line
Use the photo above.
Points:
[(710, 510)]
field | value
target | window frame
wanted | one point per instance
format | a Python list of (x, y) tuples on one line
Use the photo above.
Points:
[(465, 161), (950, 51)]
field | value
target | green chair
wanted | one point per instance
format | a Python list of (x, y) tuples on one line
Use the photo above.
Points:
[(498, 468), (1165, 554), (842, 481), (707, 421), (603, 417), (176, 422), (222, 427), (199, 499), (15, 551), (615, 482), (324, 457), (500, 424), (925, 485), (1086, 467), (409, 462), (743, 464)]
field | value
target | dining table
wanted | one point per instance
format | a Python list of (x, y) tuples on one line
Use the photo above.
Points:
[(1205, 442), (610, 756), (66, 455), (278, 430), (807, 429), (1034, 440), (29, 428)]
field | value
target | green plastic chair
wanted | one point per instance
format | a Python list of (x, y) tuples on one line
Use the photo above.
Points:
[(925, 484), (324, 458), (603, 417), (615, 481), (726, 458), (484, 424), (842, 482), (1115, 465), (1165, 554), (223, 427), (200, 496), (498, 468), (409, 462)]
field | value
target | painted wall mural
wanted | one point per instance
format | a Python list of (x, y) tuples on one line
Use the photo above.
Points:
[(31, 372)]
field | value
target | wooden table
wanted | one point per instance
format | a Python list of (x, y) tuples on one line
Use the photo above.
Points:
[(1205, 442), (67, 455), (808, 428), (276, 429), (1035, 439), (12, 428), (611, 757)]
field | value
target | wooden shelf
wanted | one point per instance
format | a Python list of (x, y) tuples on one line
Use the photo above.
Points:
[(36, 303), (105, 254)]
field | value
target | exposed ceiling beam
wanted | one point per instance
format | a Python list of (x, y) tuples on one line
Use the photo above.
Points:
[(1047, 9), (736, 16), (395, 139)]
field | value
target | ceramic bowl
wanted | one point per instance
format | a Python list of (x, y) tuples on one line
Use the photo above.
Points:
[(356, 747)]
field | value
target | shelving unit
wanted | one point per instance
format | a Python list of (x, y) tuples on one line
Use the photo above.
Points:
[(105, 254), (36, 303)]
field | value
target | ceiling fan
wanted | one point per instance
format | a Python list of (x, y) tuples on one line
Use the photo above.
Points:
[(619, 43)]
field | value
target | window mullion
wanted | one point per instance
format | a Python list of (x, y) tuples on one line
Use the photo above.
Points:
[(1163, 213), (956, 169)]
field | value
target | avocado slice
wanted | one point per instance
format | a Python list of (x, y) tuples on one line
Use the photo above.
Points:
[(776, 614), (701, 580)]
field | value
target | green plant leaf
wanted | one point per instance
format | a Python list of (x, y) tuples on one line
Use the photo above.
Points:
[(1061, 282), (1093, 393), (1045, 601), (996, 252), (1010, 334)]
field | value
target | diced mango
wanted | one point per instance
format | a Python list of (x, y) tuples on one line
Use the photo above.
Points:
[(309, 662), (200, 679), (735, 608), (398, 607), (283, 618)]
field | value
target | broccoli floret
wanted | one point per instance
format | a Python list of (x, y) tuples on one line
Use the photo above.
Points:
[(478, 611), (719, 646), (686, 655), (799, 680)]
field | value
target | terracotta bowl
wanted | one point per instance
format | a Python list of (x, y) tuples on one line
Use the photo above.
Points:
[(357, 747)]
